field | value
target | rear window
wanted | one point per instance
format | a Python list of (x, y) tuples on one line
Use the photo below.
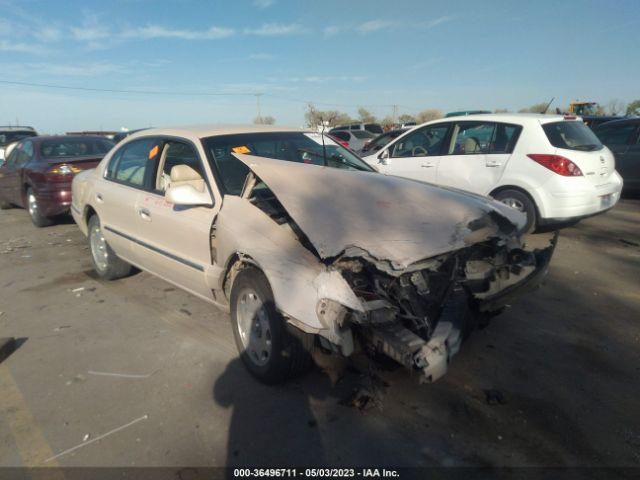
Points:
[(362, 134), (75, 147), (9, 137), (374, 128), (572, 136)]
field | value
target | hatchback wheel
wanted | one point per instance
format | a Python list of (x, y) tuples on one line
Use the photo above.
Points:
[(105, 262), (266, 347), (520, 201), (37, 218)]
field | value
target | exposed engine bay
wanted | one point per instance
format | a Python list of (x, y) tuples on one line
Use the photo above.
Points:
[(376, 273)]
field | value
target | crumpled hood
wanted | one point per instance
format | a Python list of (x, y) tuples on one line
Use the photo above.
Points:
[(394, 219)]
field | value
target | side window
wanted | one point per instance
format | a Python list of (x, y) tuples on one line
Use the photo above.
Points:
[(23, 153), (616, 135), (135, 162), (422, 142), (504, 138), (471, 138), (175, 154), (14, 155)]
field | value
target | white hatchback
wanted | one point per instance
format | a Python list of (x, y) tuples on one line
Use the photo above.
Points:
[(551, 167)]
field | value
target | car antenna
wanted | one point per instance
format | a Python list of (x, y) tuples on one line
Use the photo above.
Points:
[(549, 104)]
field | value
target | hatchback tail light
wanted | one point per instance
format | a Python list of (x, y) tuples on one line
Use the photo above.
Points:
[(556, 163), (344, 143)]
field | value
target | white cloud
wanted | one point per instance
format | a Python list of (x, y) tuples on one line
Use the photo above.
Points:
[(48, 34), (274, 29), (76, 70), (157, 31), (439, 20), (263, 3), (375, 25), (331, 30), (6, 46)]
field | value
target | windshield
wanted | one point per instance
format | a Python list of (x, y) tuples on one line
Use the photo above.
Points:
[(287, 146), (9, 137), (75, 147), (572, 136)]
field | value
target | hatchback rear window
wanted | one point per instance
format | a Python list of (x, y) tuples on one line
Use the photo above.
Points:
[(572, 136), (362, 134)]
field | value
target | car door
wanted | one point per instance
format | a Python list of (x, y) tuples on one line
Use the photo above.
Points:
[(632, 164), (416, 154), (175, 241), (13, 176), (9, 175), (621, 139), (117, 195), (477, 154)]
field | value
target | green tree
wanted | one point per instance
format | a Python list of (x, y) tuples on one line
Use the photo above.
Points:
[(366, 116), (330, 118), (406, 118), (537, 108), (633, 108), (428, 115)]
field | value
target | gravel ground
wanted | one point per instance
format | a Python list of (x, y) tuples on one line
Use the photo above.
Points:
[(137, 372)]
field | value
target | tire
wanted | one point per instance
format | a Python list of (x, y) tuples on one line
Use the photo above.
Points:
[(38, 219), (522, 202), (267, 348), (106, 263), (5, 205)]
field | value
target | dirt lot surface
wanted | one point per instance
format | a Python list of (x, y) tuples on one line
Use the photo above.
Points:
[(136, 372)]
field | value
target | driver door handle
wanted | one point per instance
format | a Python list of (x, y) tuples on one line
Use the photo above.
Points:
[(145, 214)]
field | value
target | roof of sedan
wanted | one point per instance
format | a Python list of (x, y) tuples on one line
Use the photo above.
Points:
[(203, 131), (41, 138)]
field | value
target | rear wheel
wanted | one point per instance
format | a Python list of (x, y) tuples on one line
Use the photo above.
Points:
[(266, 347), (37, 218), (105, 262), (520, 201)]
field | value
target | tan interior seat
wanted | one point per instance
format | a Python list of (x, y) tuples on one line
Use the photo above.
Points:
[(471, 145), (185, 175)]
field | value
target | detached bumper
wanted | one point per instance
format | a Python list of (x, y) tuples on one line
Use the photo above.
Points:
[(531, 282)]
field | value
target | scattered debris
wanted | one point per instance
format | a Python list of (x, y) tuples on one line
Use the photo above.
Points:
[(61, 327), (121, 375), (495, 397), (79, 289), (185, 311), (629, 243), (100, 437), (85, 438)]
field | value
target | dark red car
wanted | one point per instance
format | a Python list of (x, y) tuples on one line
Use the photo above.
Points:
[(38, 172)]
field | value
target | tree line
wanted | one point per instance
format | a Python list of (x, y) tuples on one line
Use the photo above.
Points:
[(331, 118)]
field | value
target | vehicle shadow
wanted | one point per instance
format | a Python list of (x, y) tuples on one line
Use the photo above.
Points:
[(271, 426)]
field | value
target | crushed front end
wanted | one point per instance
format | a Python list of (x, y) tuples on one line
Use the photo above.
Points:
[(419, 316)]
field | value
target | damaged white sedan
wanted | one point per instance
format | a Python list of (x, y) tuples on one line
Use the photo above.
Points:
[(306, 245)]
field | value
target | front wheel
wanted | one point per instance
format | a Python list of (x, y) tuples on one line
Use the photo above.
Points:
[(520, 201), (105, 261), (37, 218), (266, 347)]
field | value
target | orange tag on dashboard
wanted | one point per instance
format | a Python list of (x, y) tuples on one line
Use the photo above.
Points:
[(242, 149), (153, 152)]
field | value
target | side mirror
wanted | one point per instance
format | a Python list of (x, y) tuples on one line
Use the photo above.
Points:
[(187, 195), (384, 157)]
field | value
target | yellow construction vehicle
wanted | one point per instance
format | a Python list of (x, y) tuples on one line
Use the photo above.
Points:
[(583, 108)]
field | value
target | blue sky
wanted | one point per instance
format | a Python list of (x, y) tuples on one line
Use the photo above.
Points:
[(340, 55)]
